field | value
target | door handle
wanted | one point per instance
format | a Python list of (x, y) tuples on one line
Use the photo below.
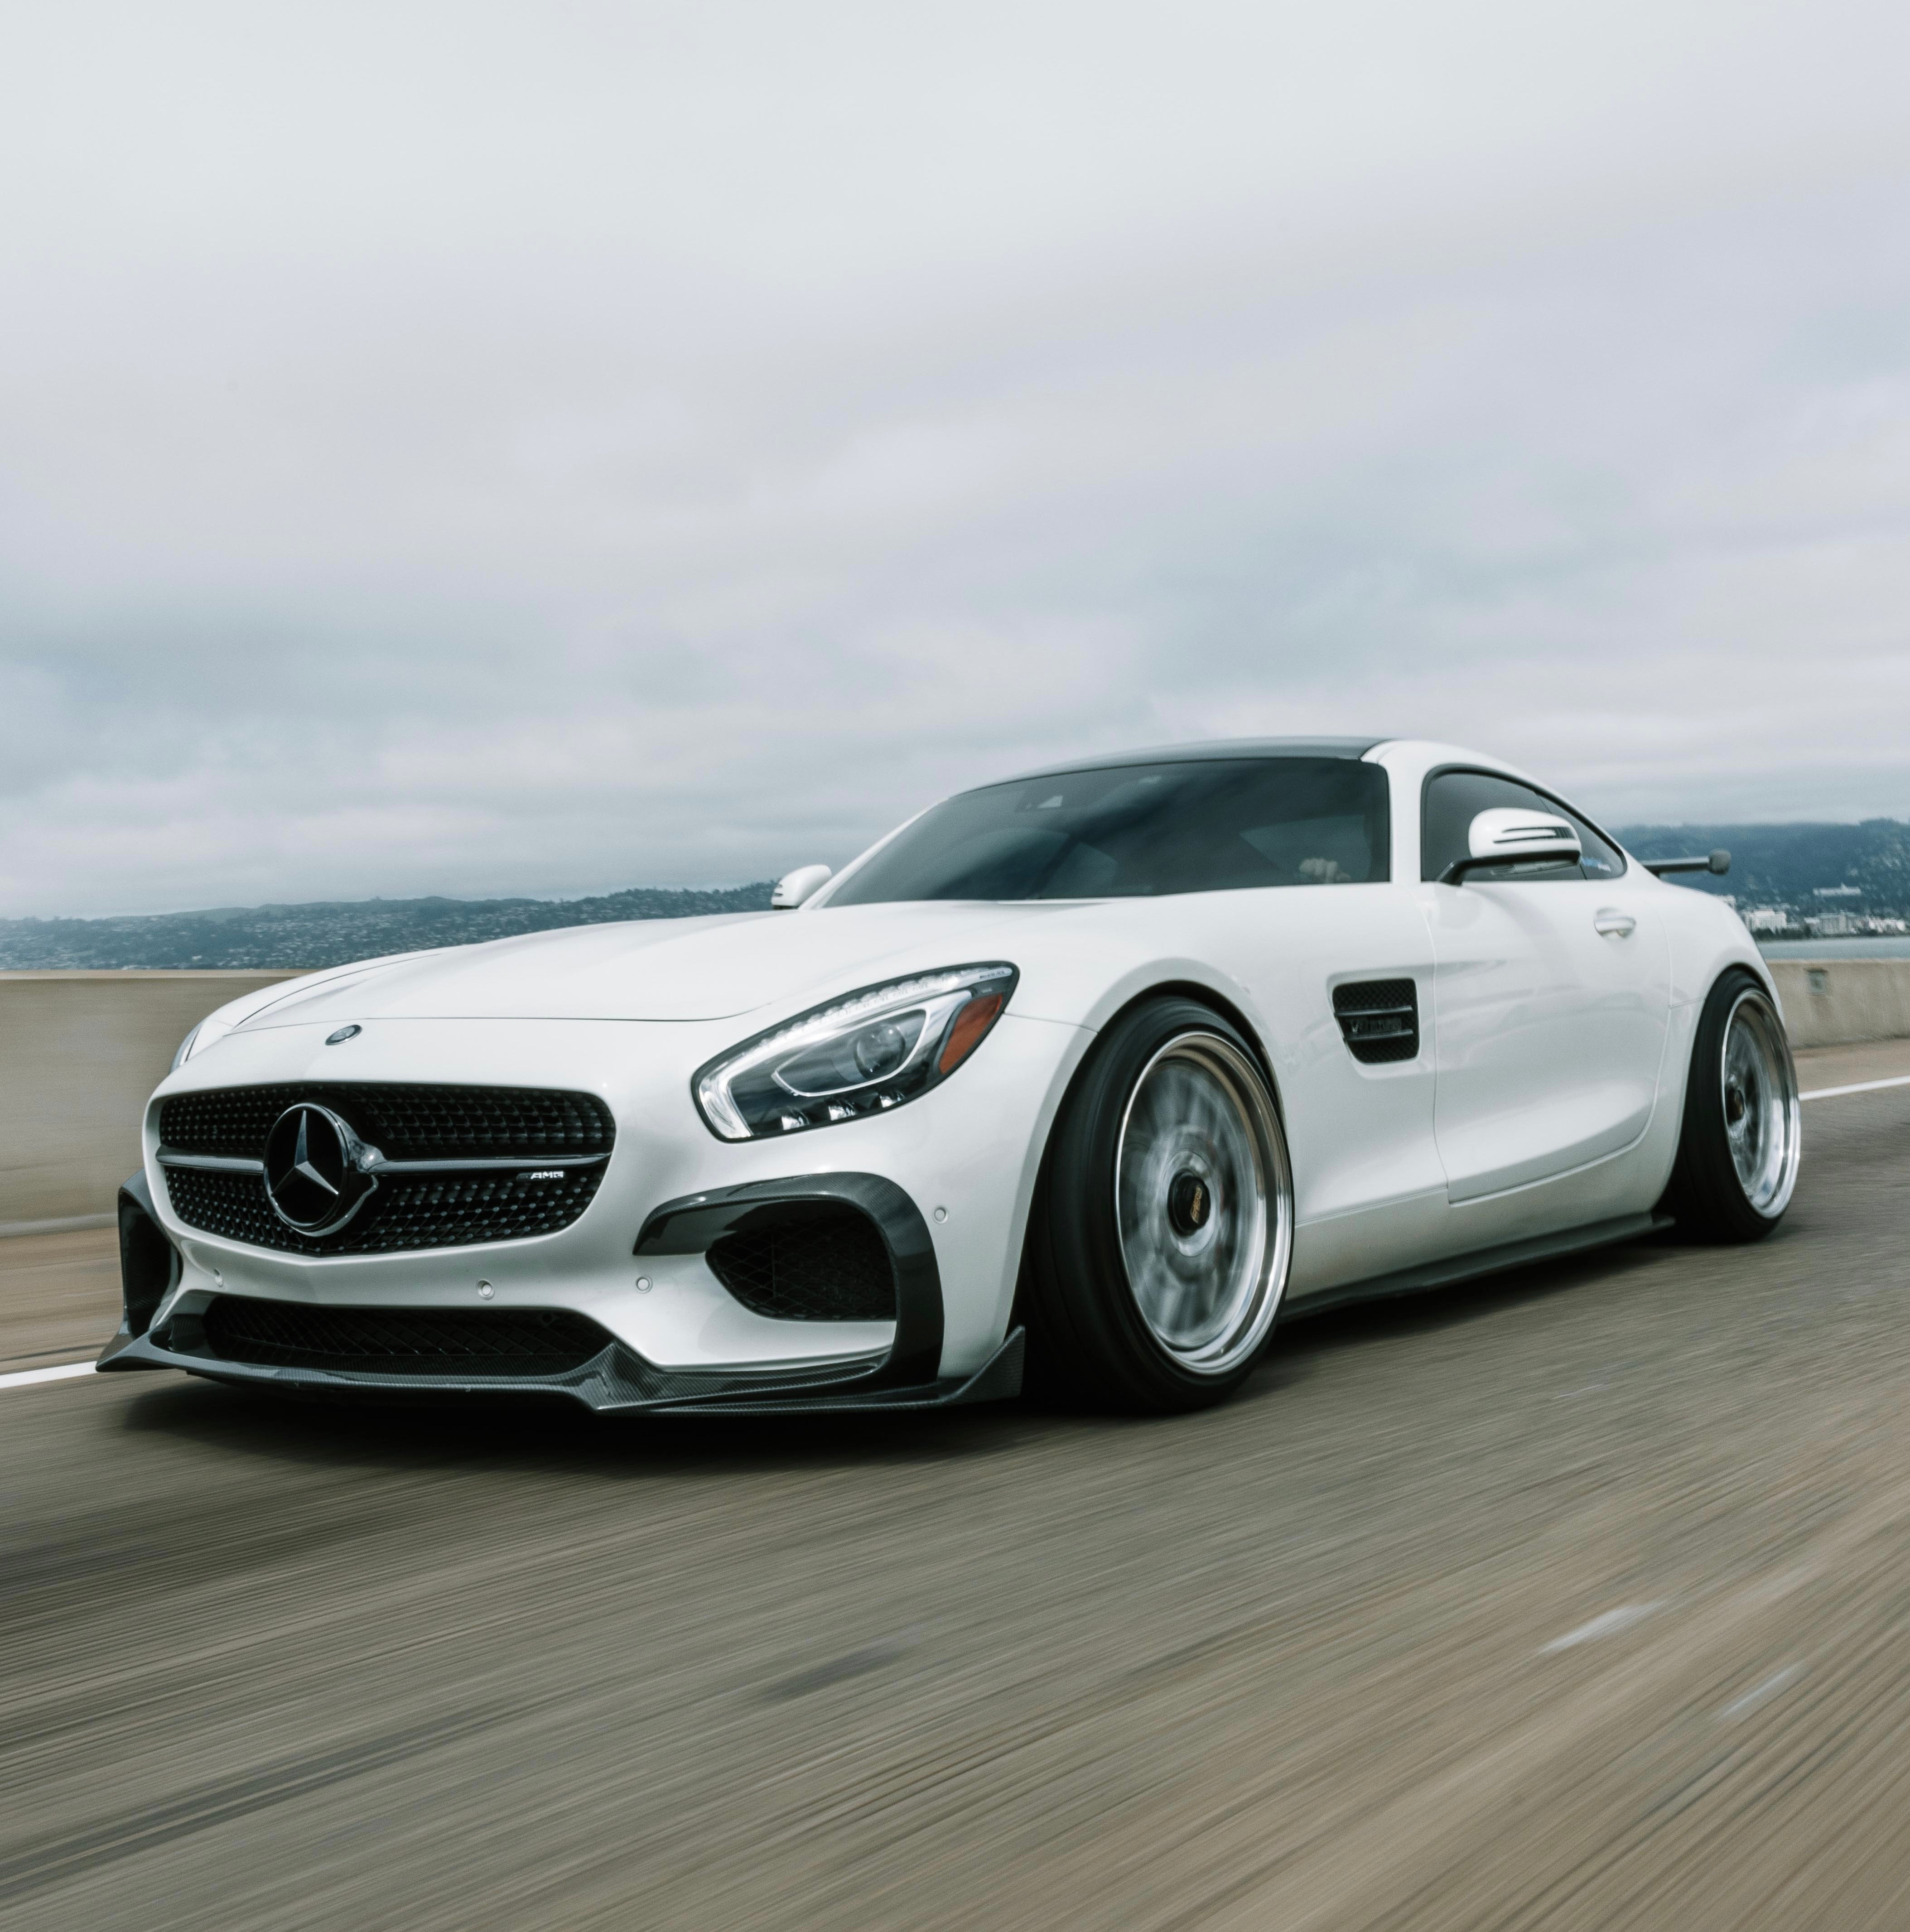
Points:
[(1613, 923)]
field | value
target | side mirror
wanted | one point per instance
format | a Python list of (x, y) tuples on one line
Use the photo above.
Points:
[(795, 887), (1504, 834)]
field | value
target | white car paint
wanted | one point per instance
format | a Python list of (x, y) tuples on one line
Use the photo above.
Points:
[(1546, 1094)]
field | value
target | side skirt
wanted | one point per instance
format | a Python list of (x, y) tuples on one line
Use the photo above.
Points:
[(1479, 1262)]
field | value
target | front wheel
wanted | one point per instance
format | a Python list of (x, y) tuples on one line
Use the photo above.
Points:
[(1740, 1146), (1163, 1230)]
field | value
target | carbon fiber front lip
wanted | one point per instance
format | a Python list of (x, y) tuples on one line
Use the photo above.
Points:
[(617, 1382)]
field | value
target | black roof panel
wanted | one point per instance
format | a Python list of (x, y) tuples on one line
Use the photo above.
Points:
[(1205, 751)]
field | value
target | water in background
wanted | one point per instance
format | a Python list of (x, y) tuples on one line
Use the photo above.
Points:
[(1892, 946)]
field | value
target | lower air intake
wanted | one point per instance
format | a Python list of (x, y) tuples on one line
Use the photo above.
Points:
[(828, 1267), (516, 1343)]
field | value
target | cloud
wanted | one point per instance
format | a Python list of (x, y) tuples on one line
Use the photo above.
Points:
[(481, 451)]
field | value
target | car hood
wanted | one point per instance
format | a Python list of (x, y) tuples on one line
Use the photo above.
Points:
[(680, 969)]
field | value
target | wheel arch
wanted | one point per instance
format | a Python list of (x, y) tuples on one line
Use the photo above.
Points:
[(1685, 1188), (1235, 1015), (1201, 993), (1693, 978), (1048, 1311)]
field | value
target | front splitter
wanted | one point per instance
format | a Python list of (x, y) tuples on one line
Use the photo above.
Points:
[(616, 1381)]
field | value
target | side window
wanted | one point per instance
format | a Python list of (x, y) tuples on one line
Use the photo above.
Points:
[(1454, 799)]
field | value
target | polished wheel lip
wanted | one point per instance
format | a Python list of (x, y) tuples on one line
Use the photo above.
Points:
[(1755, 1066), (1256, 1301)]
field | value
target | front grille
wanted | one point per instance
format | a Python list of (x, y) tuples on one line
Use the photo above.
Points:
[(513, 1343), (408, 1210), (831, 1267), (1379, 1019), (406, 1123)]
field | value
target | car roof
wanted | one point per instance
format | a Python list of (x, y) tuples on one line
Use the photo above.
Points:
[(1204, 751)]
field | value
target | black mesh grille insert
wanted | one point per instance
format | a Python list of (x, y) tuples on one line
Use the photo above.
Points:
[(409, 1211), (517, 1343), (1379, 1019), (406, 1123), (826, 1267)]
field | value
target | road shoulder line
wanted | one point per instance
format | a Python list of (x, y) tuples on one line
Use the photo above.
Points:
[(22, 1377), (1857, 1086)]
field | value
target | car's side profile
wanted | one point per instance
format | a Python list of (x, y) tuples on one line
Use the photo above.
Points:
[(1112, 1062)]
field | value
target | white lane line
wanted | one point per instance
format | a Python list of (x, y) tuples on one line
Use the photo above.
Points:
[(20, 1378), (1770, 1688), (1609, 1625), (1861, 1087)]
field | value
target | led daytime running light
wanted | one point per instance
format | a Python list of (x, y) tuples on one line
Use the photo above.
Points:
[(865, 1054)]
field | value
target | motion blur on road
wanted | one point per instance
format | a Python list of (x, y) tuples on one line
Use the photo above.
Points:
[(1575, 1598)]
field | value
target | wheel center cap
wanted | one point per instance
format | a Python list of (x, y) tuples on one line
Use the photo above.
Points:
[(1733, 1104), (1190, 1203)]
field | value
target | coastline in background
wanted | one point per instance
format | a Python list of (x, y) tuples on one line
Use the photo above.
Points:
[(1826, 890), (303, 937), (1889, 945)]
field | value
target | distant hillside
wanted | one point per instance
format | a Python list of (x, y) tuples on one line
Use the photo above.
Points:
[(1790, 864), (1784, 865), (330, 934)]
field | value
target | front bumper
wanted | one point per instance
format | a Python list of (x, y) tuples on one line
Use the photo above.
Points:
[(616, 1379), (965, 1154)]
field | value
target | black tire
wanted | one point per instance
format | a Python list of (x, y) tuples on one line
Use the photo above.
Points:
[(1739, 1146), (1125, 1311)]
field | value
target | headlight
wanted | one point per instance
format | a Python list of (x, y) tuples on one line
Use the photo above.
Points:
[(861, 1054), (184, 1053)]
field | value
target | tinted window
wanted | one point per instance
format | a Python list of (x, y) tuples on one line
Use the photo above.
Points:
[(1454, 798), (1140, 830)]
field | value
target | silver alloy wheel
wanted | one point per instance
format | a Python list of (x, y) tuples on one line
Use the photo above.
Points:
[(1204, 1202), (1762, 1118)]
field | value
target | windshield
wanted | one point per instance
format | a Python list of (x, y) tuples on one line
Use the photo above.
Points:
[(1139, 830)]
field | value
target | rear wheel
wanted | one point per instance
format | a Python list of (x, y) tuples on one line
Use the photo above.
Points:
[(1740, 1146), (1164, 1229)]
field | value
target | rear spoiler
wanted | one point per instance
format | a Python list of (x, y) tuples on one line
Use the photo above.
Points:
[(1718, 862)]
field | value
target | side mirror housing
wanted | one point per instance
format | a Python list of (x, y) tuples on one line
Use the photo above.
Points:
[(1504, 835), (795, 887)]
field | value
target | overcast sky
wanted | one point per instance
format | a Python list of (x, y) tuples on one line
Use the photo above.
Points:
[(549, 449)]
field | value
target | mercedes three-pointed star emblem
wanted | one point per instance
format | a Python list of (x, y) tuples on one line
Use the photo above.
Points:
[(315, 1177)]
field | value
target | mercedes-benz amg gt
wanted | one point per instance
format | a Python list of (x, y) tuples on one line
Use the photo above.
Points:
[(1092, 1072)]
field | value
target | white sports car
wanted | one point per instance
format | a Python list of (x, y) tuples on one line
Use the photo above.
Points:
[(1106, 1066)]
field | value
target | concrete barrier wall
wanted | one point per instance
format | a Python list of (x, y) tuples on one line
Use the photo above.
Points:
[(1833, 1002), (79, 1053)]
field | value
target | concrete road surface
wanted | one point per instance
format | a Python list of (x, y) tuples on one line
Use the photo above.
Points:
[(1581, 1599)]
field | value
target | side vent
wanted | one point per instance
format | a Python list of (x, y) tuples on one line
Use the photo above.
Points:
[(1379, 1019)]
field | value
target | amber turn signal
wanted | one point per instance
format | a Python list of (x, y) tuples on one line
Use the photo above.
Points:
[(972, 1023)]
